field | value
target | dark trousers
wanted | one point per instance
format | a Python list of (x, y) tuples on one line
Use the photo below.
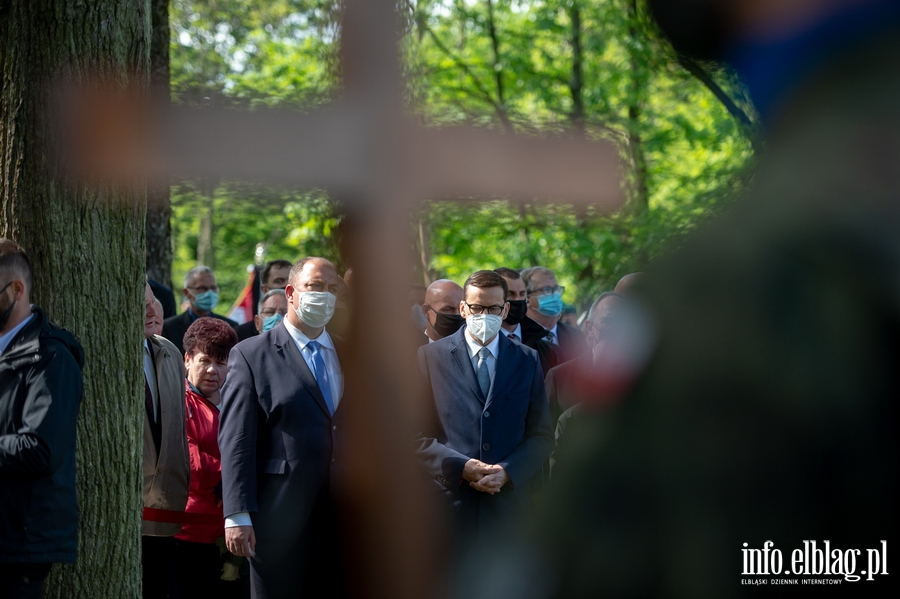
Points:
[(22, 581), (158, 567), (295, 566), (199, 567)]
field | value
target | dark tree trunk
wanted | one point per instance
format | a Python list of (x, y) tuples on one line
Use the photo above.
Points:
[(640, 196), (576, 83), (87, 251), (159, 208)]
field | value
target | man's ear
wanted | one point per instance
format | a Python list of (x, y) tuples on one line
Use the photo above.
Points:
[(505, 312)]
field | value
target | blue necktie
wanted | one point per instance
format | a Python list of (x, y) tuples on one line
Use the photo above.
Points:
[(321, 374), (484, 377)]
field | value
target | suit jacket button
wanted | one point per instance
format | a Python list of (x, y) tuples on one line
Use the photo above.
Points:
[(334, 427), (332, 460), (487, 414), (486, 446)]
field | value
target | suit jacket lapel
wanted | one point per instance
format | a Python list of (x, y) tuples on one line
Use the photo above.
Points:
[(294, 362), (461, 357), (340, 348)]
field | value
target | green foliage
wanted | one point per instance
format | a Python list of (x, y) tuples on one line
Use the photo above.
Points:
[(677, 141), (596, 68), (290, 225)]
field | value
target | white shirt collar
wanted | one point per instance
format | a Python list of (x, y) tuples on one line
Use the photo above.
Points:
[(302, 340), (474, 347), (517, 331), (6, 339)]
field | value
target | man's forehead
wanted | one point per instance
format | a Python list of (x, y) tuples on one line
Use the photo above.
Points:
[(279, 272), (515, 284), (485, 292), (540, 279), (316, 271), (203, 277)]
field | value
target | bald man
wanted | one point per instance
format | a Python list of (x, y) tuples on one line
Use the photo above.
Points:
[(626, 284), (441, 309)]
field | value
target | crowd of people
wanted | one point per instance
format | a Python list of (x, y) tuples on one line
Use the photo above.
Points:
[(243, 423), (767, 409)]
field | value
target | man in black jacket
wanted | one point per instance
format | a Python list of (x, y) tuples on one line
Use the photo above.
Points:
[(544, 309), (40, 392), (202, 291)]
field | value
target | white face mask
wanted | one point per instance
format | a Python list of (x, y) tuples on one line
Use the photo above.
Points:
[(316, 308), (483, 326)]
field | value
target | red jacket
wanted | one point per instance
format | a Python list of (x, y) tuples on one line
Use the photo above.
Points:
[(206, 471)]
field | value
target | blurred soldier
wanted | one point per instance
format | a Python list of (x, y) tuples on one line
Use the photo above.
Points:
[(768, 410), (40, 392), (202, 292)]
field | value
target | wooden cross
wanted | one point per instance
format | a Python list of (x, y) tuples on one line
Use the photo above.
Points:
[(373, 157)]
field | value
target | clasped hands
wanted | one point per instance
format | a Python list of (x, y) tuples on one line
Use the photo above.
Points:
[(487, 478)]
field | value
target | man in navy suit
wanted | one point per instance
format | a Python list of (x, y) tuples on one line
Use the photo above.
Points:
[(279, 434), (489, 431)]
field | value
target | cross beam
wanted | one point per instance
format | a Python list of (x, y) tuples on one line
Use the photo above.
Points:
[(373, 157)]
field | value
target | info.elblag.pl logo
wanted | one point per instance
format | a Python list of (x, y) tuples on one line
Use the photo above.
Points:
[(825, 564)]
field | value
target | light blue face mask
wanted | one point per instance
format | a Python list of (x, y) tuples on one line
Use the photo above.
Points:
[(270, 322), (550, 305), (206, 301)]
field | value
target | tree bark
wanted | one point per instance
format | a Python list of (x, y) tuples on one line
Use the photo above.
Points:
[(576, 83), (159, 207), (86, 247), (640, 192)]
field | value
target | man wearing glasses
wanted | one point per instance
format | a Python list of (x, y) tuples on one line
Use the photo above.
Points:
[(544, 309), (202, 292), (489, 427)]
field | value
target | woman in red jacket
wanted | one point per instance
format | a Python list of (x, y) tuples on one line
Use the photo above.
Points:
[(201, 557)]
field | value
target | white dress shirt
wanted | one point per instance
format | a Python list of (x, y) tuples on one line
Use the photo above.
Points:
[(474, 347), (517, 332), (329, 355)]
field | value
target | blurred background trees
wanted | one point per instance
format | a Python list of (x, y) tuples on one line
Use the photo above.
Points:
[(591, 68)]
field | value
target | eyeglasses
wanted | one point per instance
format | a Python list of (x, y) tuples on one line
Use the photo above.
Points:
[(204, 289), (266, 312), (547, 290), (479, 309)]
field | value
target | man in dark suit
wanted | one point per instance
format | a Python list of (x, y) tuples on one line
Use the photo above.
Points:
[(489, 431), (279, 433), (274, 275), (202, 292), (512, 327), (545, 306)]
